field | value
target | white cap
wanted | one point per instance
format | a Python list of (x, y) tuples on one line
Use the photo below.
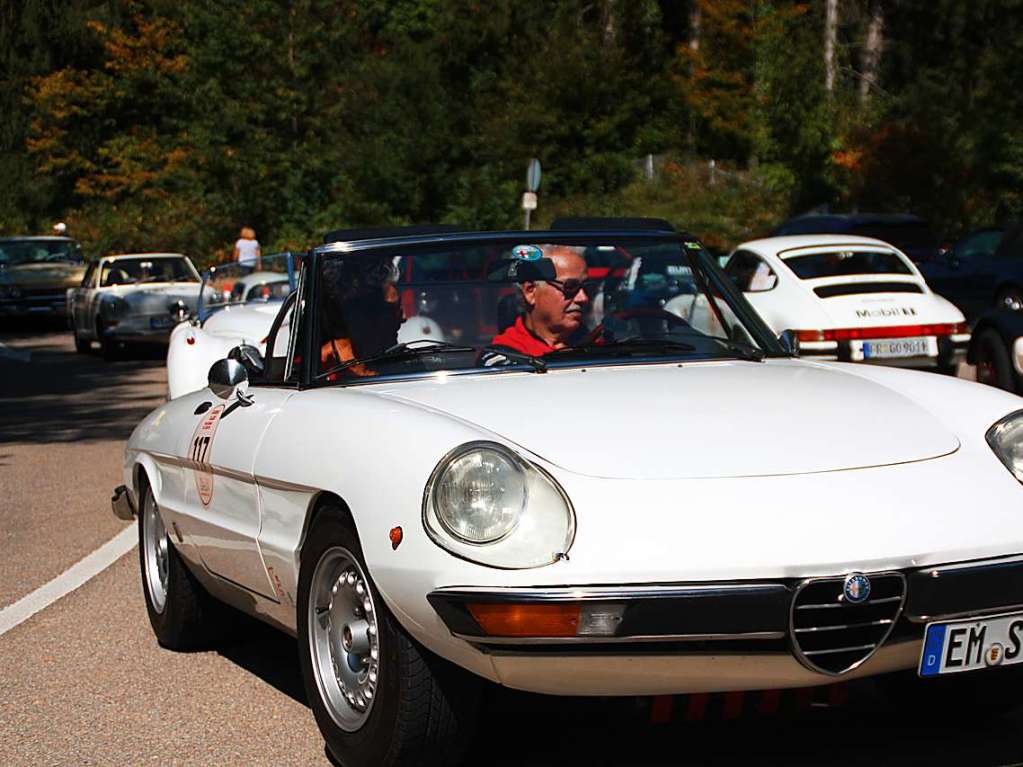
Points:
[(60, 228)]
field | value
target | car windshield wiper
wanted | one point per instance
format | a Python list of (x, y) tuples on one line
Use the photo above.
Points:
[(743, 350), (626, 346), (398, 352), (535, 362)]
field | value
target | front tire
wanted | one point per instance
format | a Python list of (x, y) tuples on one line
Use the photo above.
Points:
[(182, 614), (378, 697), (994, 367), (82, 346)]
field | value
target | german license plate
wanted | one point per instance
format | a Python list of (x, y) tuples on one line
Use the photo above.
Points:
[(890, 348), (967, 645), (160, 322)]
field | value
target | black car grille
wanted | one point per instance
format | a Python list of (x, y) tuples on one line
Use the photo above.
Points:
[(856, 288), (832, 635)]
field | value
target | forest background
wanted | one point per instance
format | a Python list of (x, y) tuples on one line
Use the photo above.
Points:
[(167, 124)]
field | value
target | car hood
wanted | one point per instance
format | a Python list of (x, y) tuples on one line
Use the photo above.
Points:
[(157, 296), (694, 420), (43, 275)]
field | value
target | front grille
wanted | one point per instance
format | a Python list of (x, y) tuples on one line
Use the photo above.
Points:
[(832, 635)]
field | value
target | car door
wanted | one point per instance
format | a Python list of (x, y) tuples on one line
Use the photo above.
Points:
[(223, 495)]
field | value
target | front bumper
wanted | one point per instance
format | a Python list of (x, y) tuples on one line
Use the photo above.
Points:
[(122, 504), (144, 329), (677, 638), (29, 304)]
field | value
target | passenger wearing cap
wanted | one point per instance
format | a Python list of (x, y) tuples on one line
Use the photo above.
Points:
[(554, 310)]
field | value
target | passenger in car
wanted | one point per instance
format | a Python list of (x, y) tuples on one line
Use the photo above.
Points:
[(361, 312), (554, 310)]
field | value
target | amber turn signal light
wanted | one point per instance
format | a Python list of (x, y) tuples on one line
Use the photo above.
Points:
[(530, 620)]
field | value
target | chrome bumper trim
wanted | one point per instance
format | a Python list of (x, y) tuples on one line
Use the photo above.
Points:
[(122, 505)]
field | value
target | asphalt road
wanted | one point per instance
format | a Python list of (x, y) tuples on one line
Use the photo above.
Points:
[(83, 682)]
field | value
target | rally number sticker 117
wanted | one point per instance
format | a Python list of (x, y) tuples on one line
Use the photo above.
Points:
[(199, 453)]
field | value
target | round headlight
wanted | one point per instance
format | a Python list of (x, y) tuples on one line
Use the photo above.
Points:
[(1006, 439), (480, 495)]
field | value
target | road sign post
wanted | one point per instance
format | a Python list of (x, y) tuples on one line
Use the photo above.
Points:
[(529, 198)]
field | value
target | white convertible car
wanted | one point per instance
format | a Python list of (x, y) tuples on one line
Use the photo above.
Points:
[(635, 503), (235, 308), (132, 298), (238, 313), (848, 298)]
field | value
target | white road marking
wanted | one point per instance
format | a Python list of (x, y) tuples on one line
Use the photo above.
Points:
[(69, 580), (18, 355)]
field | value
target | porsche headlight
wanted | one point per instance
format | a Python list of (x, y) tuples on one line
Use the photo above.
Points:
[(1006, 439), (487, 504)]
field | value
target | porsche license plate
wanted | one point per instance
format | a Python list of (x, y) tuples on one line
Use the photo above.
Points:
[(891, 348), (966, 645)]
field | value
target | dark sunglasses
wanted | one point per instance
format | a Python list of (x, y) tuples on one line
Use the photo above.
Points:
[(570, 288)]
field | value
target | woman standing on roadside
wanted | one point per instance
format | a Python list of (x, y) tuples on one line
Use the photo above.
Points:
[(246, 250)]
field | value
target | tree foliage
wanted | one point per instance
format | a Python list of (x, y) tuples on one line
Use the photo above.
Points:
[(170, 123)]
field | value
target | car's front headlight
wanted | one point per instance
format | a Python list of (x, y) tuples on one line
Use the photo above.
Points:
[(1006, 439), (113, 307), (487, 504)]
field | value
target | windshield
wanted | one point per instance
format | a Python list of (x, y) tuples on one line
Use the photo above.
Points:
[(844, 263), (16, 252), (130, 271), (234, 283), (533, 304)]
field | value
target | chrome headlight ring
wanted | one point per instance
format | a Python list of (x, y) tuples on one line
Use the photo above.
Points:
[(487, 504), (1006, 440)]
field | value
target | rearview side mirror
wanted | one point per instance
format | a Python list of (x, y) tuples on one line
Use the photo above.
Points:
[(226, 376), (250, 358), (789, 340)]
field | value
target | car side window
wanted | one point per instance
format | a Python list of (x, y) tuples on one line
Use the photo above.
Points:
[(750, 273), (980, 245)]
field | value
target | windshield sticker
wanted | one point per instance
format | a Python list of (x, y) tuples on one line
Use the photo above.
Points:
[(527, 253), (199, 453), (693, 245)]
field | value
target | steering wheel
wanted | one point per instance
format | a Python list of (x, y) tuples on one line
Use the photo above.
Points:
[(645, 318)]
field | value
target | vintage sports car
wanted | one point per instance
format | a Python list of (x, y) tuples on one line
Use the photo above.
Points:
[(641, 503), (234, 308), (240, 315), (35, 274), (852, 299), (134, 298)]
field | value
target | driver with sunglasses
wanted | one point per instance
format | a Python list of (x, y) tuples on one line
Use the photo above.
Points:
[(554, 309)]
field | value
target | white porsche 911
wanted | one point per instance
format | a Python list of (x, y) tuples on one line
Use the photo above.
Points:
[(850, 298), (640, 502)]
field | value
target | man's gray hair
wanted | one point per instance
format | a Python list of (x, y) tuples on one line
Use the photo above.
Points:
[(575, 250)]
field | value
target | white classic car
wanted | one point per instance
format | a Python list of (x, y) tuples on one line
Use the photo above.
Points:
[(239, 314), (234, 308), (635, 503), (134, 298), (849, 298)]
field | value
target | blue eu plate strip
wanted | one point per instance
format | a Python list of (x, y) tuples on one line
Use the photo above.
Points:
[(934, 643)]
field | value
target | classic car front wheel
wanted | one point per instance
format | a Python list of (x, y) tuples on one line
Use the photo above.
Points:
[(378, 697), (182, 614)]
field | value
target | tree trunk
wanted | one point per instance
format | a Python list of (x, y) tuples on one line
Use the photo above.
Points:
[(871, 64), (695, 26), (830, 39), (610, 22)]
